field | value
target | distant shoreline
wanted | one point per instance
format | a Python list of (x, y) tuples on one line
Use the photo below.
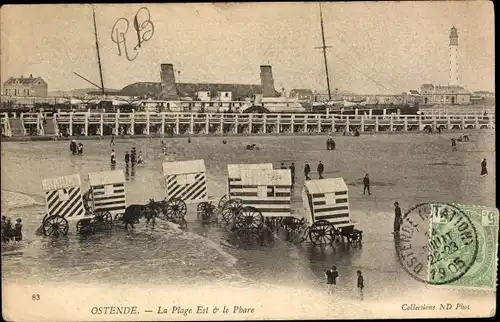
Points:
[(29, 138)]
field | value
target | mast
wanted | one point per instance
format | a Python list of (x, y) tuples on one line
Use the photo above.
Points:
[(324, 47), (98, 55)]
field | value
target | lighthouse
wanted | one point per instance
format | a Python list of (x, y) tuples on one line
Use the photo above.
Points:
[(453, 80)]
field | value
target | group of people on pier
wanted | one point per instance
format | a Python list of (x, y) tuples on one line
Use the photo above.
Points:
[(11, 232)]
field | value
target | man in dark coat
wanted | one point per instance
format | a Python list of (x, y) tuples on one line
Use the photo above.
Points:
[(307, 170), (320, 169), (398, 218), (366, 183), (292, 171)]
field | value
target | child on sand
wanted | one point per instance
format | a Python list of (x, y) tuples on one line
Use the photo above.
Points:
[(331, 278), (360, 284)]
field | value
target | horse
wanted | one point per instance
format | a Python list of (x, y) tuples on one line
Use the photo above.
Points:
[(135, 212)]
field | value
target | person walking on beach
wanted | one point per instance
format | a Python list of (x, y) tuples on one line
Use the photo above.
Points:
[(331, 278), (132, 156), (112, 142), (453, 144), (113, 157), (398, 219), (127, 158), (360, 284), (366, 184), (320, 169), (18, 230), (139, 158), (307, 170), (484, 170), (292, 172)]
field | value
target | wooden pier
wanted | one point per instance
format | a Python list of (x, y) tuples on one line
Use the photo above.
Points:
[(171, 124)]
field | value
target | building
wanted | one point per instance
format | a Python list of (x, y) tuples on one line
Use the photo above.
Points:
[(169, 89), (30, 86), (301, 94), (411, 97), (444, 95), (484, 94)]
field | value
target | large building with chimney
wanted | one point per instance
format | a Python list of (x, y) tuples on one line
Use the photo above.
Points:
[(169, 89), (25, 86)]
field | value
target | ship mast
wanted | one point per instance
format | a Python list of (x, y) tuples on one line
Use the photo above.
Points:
[(324, 47), (98, 54)]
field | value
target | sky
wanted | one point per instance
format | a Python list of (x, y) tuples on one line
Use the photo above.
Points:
[(377, 47)]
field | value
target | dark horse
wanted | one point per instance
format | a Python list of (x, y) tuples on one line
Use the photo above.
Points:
[(330, 144), (134, 212)]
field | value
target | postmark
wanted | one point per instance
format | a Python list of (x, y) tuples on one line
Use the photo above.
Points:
[(438, 243)]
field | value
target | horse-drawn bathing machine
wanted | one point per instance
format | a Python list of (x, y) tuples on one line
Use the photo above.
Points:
[(259, 199)]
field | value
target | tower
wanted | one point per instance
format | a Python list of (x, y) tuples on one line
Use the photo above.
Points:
[(168, 88), (453, 80), (267, 81)]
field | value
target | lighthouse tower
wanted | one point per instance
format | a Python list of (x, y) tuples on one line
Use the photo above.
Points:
[(453, 81)]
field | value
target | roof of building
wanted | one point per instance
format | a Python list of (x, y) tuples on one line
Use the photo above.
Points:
[(438, 89), (22, 80), (183, 167), (414, 92), (325, 185), (301, 91), (190, 89)]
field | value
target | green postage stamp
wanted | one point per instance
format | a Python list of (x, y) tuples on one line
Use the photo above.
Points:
[(481, 272)]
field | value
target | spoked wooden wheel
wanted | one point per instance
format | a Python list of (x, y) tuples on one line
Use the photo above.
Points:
[(222, 201), (293, 224), (176, 208), (322, 232), (103, 218), (84, 226), (250, 219), (55, 226), (230, 209), (87, 201)]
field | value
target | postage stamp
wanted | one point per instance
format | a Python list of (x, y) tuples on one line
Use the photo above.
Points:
[(482, 273), (438, 243)]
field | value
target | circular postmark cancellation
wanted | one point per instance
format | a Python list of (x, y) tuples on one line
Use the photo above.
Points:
[(437, 244)]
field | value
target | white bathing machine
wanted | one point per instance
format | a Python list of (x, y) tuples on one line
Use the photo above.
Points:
[(326, 211)]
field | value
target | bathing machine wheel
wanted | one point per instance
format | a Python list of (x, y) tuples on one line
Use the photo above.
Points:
[(84, 226), (249, 220), (102, 219), (321, 232), (222, 201), (205, 210), (176, 209), (55, 226), (293, 224), (231, 209), (88, 201)]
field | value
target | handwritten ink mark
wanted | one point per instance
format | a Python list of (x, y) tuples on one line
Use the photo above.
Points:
[(144, 29)]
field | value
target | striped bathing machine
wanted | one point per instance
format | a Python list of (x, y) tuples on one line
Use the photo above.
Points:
[(326, 199), (267, 190), (326, 205), (186, 180), (63, 197), (108, 191), (234, 174)]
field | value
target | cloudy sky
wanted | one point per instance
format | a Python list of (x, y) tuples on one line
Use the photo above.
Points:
[(378, 47)]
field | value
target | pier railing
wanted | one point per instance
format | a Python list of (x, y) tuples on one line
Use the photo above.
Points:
[(209, 123)]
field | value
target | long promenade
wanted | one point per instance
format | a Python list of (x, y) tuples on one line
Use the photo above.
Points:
[(182, 123)]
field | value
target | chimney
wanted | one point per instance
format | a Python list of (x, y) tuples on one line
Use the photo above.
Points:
[(31, 75), (267, 81), (168, 88), (21, 76)]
